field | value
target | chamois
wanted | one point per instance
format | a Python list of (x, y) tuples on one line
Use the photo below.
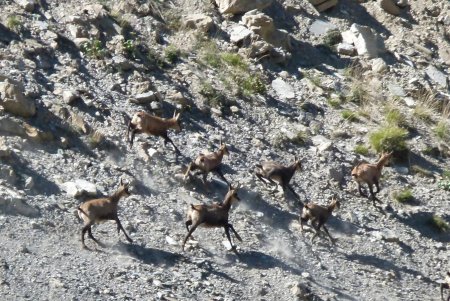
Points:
[(318, 215), (274, 172), (205, 163), (153, 125), (214, 215), (100, 210), (445, 285), (370, 174)]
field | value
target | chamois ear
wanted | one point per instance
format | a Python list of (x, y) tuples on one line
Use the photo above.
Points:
[(121, 182), (230, 187), (174, 114)]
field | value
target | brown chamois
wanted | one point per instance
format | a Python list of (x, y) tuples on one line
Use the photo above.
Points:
[(318, 215), (276, 173), (370, 174), (445, 285), (100, 210), (153, 125), (205, 163), (214, 215)]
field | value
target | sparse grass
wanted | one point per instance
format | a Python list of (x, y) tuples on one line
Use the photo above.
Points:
[(426, 105), (78, 124), (421, 171), (129, 47), (252, 84), (442, 130), (354, 71), (349, 115), (155, 58), (361, 149), (403, 196), (94, 49), (439, 223), (388, 138), (14, 23), (335, 102), (445, 182), (172, 54), (302, 138), (358, 93), (214, 97), (315, 79), (234, 60)]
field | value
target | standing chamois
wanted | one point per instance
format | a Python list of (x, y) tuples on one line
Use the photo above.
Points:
[(153, 125), (370, 174), (318, 215), (100, 210), (276, 173), (211, 162), (214, 215)]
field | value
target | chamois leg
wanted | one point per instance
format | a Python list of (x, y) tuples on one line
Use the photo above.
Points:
[(333, 241), (372, 195), (295, 193), (303, 220), (227, 232), (93, 238), (377, 184), (83, 232), (261, 178), (167, 139), (192, 166), (361, 192), (188, 235), (220, 174), (188, 223), (234, 231), (119, 227)]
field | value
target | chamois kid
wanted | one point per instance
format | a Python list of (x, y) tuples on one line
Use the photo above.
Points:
[(153, 125), (100, 210), (211, 162), (318, 216), (275, 173), (214, 215), (370, 173)]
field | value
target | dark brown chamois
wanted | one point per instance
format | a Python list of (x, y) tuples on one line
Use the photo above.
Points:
[(211, 162), (318, 216), (144, 123), (214, 215), (100, 210), (276, 173), (370, 173)]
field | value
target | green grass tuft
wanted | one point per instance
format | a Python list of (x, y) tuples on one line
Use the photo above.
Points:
[(403, 196), (439, 223), (349, 115), (361, 149), (388, 138)]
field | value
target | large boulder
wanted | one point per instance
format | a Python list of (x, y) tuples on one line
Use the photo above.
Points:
[(13, 99), (200, 22), (241, 6), (366, 41), (264, 27)]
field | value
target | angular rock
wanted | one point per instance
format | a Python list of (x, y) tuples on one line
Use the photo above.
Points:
[(283, 89), (390, 7), (239, 33), (27, 5), (366, 41), (346, 49), (14, 203), (200, 22), (70, 96), (11, 126), (13, 99), (437, 76), (379, 65), (79, 187), (326, 5), (241, 6), (320, 27), (145, 98), (263, 26)]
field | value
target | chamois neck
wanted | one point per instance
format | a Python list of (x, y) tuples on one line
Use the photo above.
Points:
[(116, 196), (382, 161), (332, 206), (220, 153), (226, 204)]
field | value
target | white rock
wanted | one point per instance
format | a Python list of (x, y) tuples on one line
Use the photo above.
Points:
[(437, 76), (379, 65), (69, 96), (346, 49), (239, 33), (241, 6), (171, 241), (79, 187), (283, 89)]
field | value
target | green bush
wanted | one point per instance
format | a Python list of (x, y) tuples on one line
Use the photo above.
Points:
[(442, 130), (445, 182), (388, 138), (252, 84), (439, 223), (403, 196), (94, 49), (172, 54), (361, 149), (129, 47), (13, 23), (332, 37)]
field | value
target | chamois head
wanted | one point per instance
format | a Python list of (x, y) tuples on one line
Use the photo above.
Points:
[(177, 125), (297, 163), (223, 148), (335, 203), (385, 157), (123, 189), (232, 193)]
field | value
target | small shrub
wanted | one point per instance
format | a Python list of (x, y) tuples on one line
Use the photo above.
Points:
[(252, 84), (332, 37), (445, 182), (214, 97), (302, 138), (358, 93), (234, 60), (13, 23), (389, 138), (314, 79), (349, 115), (439, 223), (129, 47), (442, 130), (334, 102), (93, 49), (172, 54), (155, 58), (403, 196), (361, 149), (95, 139)]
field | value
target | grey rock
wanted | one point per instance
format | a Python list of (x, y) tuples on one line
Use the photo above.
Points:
[(437, 76), (79, 187), (283, 89), (241, 6), (12, 98)]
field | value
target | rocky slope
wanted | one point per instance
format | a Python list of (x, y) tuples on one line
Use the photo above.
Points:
[(282, 81)]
